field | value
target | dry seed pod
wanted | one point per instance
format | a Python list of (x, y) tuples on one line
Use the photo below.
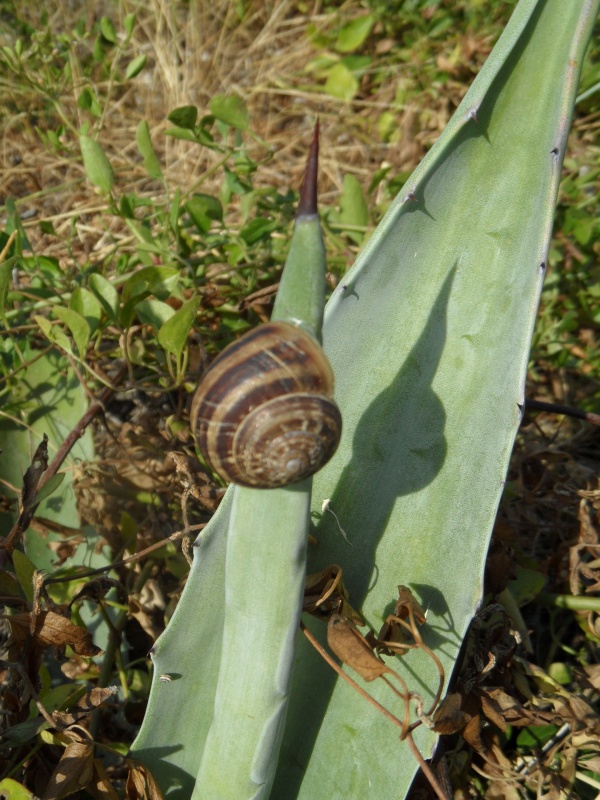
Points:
[(263, 414)]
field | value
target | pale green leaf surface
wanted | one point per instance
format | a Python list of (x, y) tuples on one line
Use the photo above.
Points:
[(189, 651), (256, 622), (265, 570), (429, 337)]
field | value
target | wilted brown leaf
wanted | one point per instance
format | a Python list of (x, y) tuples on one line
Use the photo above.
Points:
[(503, 709), (581, 716), (52, 629), (141, 785), (472, 734), (74, 771), (85, 705), (407, 604), (449, 717), (100, 786), (394, 635), (351, 648), (325, 593)]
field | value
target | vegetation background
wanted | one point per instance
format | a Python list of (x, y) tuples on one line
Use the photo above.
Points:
[(151, 159)]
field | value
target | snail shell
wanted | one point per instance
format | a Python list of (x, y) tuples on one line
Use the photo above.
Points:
[(263, 414)]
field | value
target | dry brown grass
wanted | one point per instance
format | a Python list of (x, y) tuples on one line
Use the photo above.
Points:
[(194, 52)]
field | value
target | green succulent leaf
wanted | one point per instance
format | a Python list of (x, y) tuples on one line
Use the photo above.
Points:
[(429, 338)]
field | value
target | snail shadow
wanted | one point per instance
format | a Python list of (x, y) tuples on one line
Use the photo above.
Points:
[(398, 448), (400, 445)]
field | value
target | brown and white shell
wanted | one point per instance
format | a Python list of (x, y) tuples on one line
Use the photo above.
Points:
[(263, 414)]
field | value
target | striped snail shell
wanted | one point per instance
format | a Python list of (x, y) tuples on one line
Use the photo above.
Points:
[(263, 414)]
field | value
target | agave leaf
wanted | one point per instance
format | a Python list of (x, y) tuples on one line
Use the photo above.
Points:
[(429, 337), (248, 581)]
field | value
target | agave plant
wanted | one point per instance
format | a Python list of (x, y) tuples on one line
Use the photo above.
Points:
[(429, 336)]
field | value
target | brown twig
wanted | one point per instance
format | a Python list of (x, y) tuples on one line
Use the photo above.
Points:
[(568, 411), (334, 665), (63, 451), (90, 573)]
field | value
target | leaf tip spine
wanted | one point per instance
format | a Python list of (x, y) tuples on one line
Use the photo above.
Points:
[(307, 205)]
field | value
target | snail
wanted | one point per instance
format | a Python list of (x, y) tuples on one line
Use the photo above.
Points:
[(263, 414)]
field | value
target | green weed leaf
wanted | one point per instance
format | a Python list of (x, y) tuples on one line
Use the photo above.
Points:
[(153, 312), (231, 110), (181, 133), (354, 34), (87, 306), (184, 117), (88, 101), (50, 486), (96, 164), (106, 294), (24, 569), (11, 790), (108, 30), (341, 82), (135, 66), (129, 24), (174, 333), (54, 334), (77, 325), (159, 281), (144, 143), (203, 210)]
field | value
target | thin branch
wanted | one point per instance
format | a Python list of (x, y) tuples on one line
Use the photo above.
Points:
[(568, 411)]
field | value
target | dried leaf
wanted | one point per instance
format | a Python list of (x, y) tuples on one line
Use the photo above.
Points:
[(85, 705), (472, 734), (52, 629), (503, 709), (351, 648), (74, 770), (141, 785), (592, 672), (449, 717), (100, 787), (407, 603), (325, 593), (582, 716)]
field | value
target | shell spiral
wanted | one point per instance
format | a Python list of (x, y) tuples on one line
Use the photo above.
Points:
[(263, 414)]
